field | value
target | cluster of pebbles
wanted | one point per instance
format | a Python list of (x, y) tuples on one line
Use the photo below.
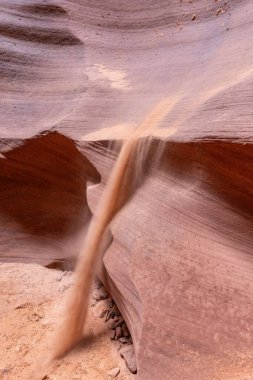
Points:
[(104, 307)]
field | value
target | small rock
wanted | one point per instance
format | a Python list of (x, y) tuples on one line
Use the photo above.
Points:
[(125, 330), (64, 287), (113, 335), (118, 332), (119, 322), (107, 316), (110, 302), (127, 353), (59, 278), (114, 312), (100, 309), (114, 372), (123, 340), (99, 294), (114, 323)]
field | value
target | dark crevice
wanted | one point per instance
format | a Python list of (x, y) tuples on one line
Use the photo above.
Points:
[(45, 9), (39, 35)]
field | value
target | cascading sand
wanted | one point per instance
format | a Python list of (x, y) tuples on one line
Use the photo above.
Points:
[(120, 185)]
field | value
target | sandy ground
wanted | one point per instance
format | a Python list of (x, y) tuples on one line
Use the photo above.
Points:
[(31, 303)]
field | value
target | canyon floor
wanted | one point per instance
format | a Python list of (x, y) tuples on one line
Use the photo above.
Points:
[(31, 305)]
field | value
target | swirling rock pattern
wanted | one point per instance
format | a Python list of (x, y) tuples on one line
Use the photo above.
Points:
[(77, 75)]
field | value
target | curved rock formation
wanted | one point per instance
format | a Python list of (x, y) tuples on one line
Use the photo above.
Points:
[(43, 206), (85, 73)]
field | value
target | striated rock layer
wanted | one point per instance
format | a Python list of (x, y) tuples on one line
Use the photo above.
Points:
[(78, 75)]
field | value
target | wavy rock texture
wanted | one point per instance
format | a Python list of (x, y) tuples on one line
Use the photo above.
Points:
[(77, 75)]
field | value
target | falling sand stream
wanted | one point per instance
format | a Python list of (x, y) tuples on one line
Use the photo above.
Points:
[(112, 199)]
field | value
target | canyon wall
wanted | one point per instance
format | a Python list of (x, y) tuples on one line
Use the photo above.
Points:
[(78, 76)]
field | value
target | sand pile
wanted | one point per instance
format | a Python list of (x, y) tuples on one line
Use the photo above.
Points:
[(29, 311)]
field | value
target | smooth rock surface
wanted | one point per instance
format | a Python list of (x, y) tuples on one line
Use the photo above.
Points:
[(99, 294), (127, 352)]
